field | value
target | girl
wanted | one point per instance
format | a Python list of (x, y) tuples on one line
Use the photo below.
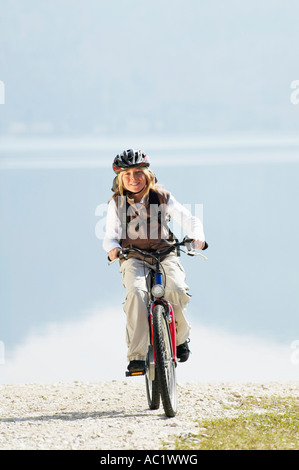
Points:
[(132, 222)]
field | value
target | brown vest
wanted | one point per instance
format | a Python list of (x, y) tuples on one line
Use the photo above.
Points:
[(145, 227)]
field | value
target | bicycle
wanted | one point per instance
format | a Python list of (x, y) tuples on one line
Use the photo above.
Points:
[(161, 360)]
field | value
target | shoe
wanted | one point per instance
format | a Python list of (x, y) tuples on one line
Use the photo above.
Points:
[(183, 351), (136, 366)]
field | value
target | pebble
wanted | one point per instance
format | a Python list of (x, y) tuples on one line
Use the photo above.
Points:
[(115, 415)]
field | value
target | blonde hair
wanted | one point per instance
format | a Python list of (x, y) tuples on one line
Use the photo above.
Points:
[(150, 183)]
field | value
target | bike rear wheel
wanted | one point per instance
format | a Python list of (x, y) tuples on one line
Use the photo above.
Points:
[(165, 364)]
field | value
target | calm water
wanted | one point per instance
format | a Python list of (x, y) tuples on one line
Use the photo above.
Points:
[(53, 267)]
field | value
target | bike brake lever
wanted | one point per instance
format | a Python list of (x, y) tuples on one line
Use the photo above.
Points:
[(194, 253), (123, 255), (202, 256), (120, 257)]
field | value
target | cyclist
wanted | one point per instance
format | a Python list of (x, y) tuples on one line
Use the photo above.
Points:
[(131, 221)]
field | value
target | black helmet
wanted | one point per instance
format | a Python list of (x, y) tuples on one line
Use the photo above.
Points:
[(129, 159)]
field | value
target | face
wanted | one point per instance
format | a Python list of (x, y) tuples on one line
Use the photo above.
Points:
[(133, 180)]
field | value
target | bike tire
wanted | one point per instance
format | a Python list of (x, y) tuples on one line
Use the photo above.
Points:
[(152, 393), (165, 365)]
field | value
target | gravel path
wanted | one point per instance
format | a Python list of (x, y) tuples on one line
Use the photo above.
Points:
[(114, 415)]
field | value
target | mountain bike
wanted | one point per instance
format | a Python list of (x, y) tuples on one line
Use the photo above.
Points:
[(161, 360)]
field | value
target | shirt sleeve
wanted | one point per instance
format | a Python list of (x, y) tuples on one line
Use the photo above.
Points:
[(191, 224), (113, 228)]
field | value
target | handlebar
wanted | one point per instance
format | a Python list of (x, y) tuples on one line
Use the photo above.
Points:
[(187, 242)]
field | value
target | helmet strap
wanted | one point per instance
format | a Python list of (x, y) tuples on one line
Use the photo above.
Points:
[(129, 193)]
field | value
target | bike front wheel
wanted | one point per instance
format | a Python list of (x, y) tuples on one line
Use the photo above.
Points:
[(165, 364), (151, 381)]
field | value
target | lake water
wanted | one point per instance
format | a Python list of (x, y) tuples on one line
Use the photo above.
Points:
[(54, 271)]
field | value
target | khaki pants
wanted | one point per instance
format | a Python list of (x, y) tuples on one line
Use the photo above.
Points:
[(134, 277)]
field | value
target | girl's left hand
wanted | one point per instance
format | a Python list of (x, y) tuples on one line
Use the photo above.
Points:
[(198, 244)]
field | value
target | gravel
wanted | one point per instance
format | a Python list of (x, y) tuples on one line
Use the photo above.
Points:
[(114, 415)]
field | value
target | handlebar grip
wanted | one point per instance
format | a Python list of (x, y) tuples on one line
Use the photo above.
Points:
[(188, 240), (123, 253)]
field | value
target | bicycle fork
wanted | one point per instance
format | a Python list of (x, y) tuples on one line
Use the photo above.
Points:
[(171, 321)]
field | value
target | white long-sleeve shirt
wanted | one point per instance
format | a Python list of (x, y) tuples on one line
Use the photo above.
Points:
[(190, 224)]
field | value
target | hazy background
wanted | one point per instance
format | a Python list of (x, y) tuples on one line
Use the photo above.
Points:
[(205, 89)]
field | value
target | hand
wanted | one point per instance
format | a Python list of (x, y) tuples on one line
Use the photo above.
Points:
[(113, 254), (198, 244)]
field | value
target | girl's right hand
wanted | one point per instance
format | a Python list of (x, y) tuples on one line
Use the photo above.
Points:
[(113, 254)]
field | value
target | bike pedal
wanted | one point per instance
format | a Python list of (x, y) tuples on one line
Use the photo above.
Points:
[(134, 373)]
